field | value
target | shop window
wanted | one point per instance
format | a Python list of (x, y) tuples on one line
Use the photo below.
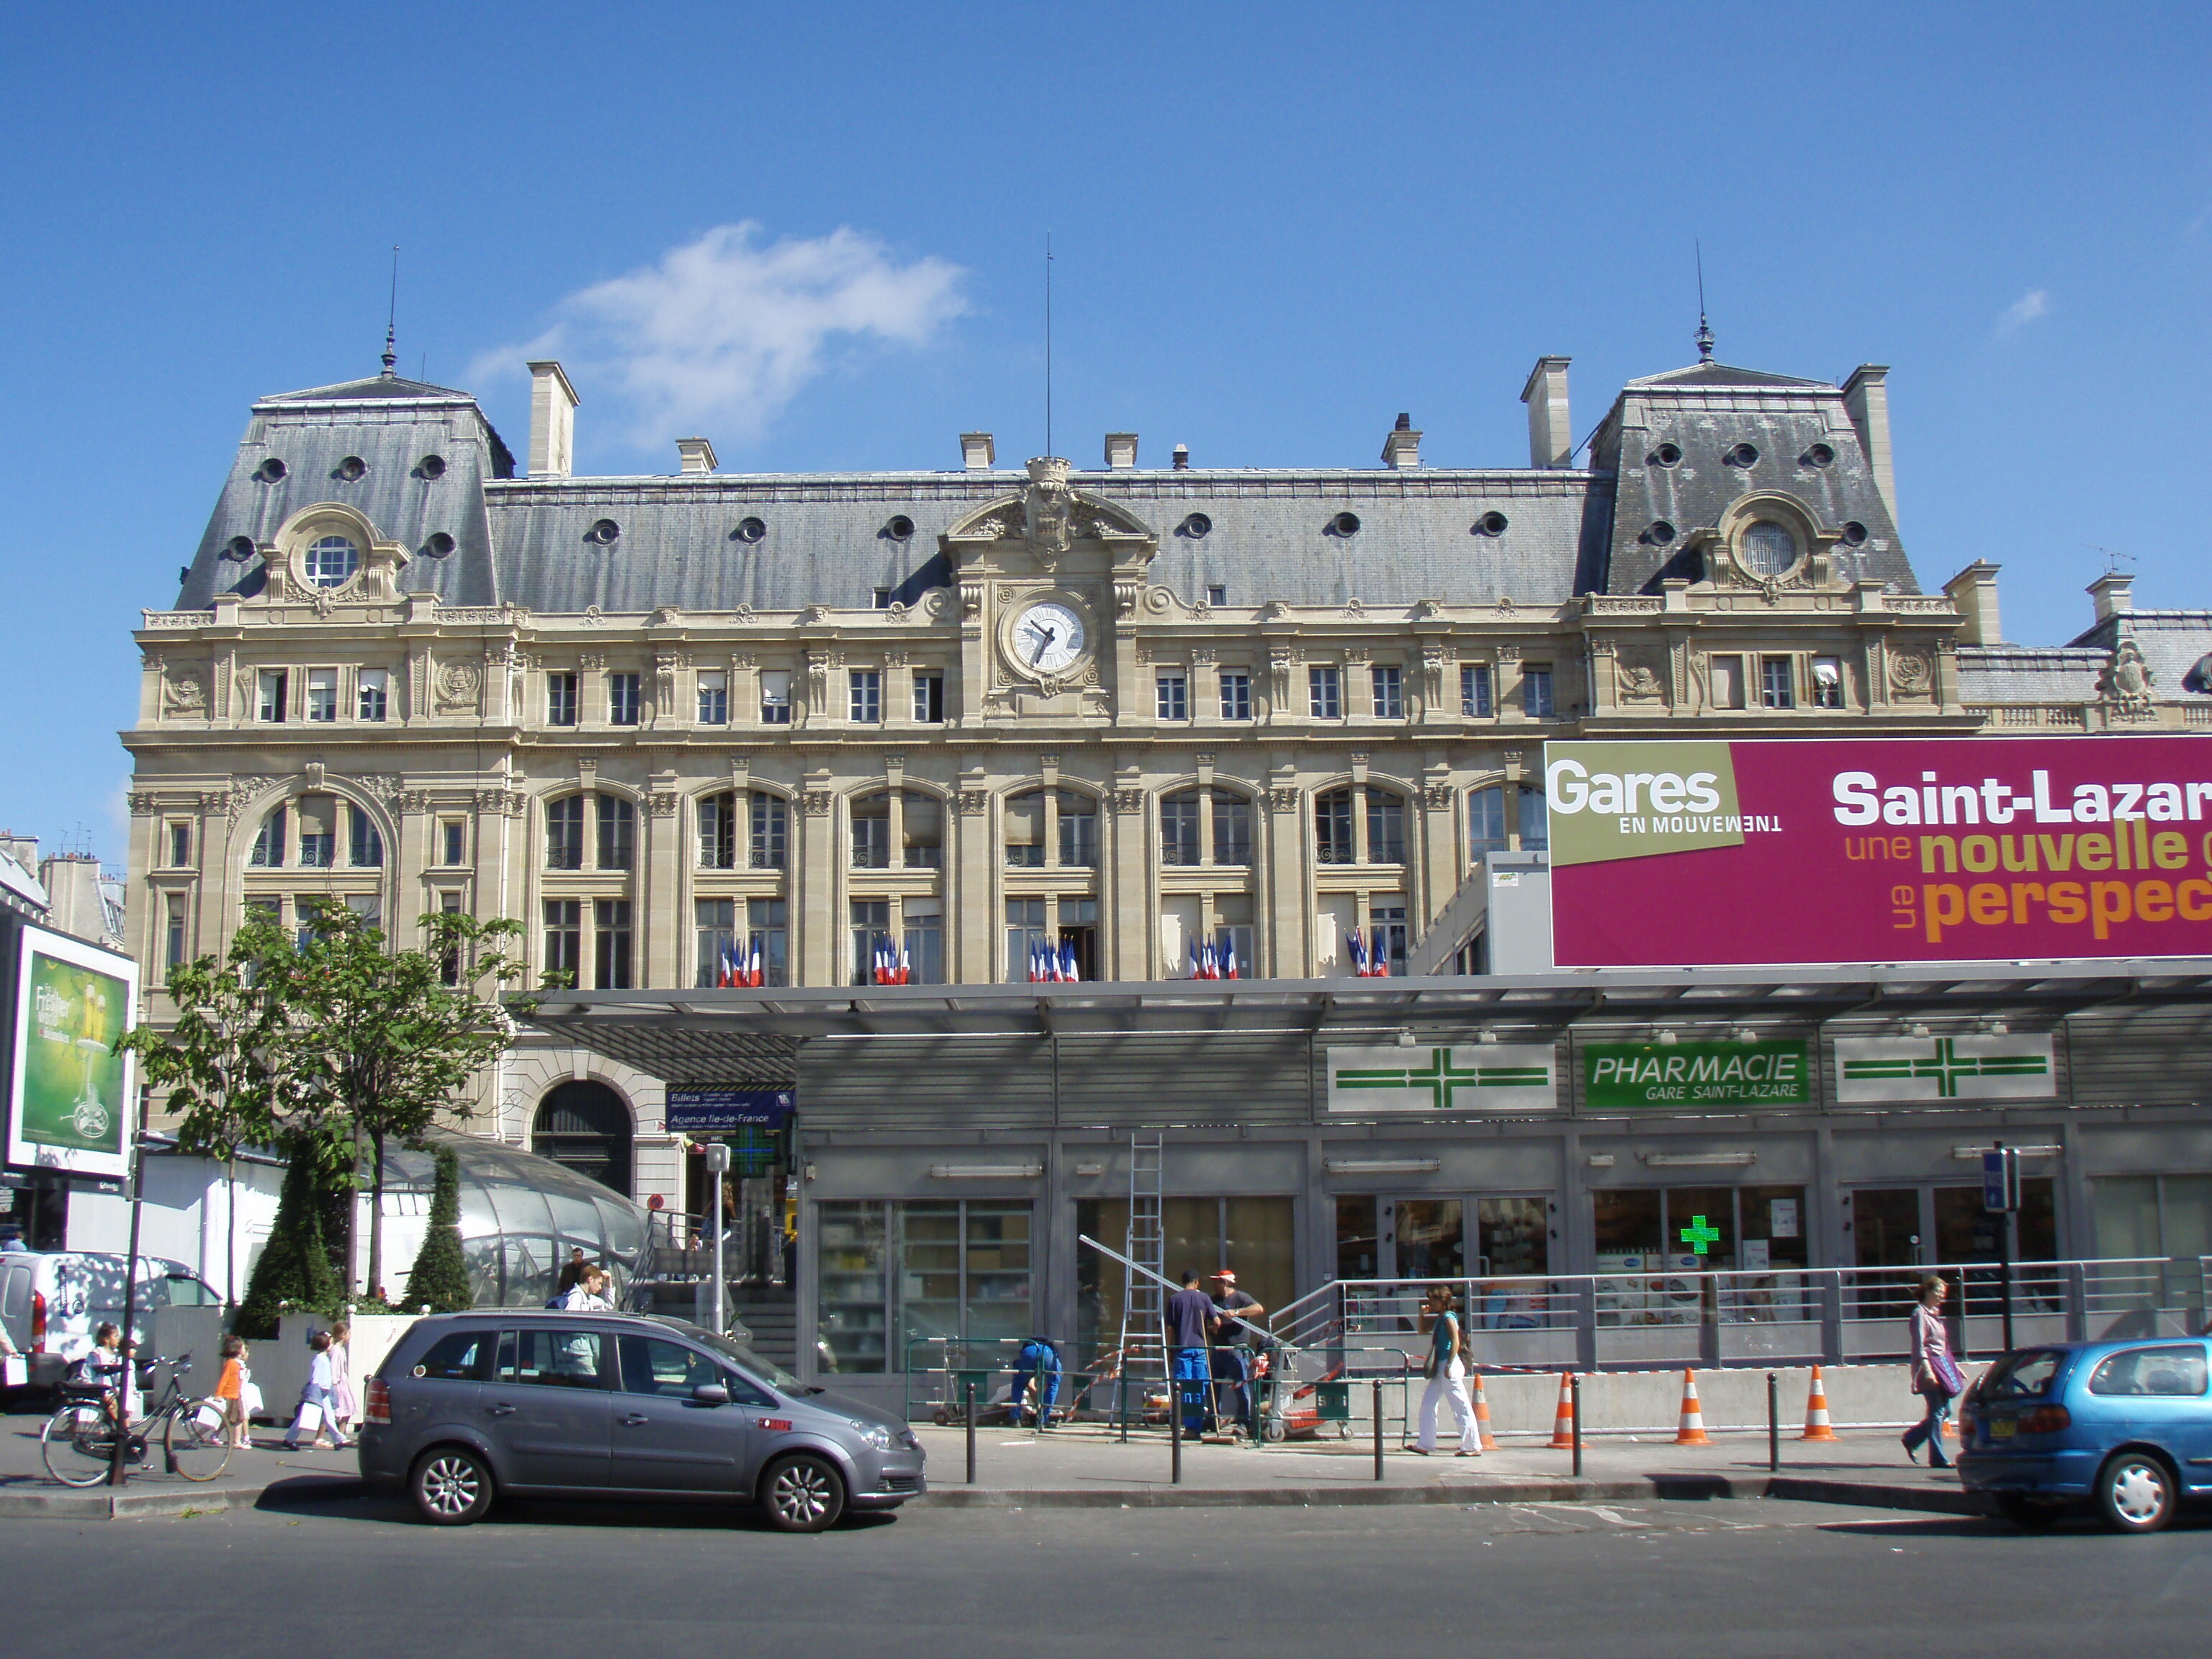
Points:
[(852, 1288), (2160, 1215), (1658, 1231), (964, 1277), (1251, 1237)]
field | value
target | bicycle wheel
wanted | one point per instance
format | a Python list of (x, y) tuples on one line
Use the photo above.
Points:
[(196, 1443), (78, 1445)]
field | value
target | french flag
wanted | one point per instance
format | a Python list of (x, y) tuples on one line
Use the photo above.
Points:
[(727, 974), (905, 974), (1070, 973), (1228, 959), (751, 976)]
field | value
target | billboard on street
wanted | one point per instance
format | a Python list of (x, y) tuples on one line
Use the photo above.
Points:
[(1810, 851), (70, 1094)]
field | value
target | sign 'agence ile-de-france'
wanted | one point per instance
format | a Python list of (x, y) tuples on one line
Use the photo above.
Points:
[(1875, 850)]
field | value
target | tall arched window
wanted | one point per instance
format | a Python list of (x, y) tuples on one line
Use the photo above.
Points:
[(1365, 823), (1043, 820), (743, 830)]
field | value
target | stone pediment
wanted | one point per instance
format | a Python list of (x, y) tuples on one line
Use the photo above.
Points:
[(1049, 515)]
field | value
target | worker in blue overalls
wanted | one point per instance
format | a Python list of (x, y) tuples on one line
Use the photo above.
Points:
[(1040, 1359)]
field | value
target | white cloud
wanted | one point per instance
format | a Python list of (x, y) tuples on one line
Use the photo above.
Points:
[(2032, 305), (722, 333)]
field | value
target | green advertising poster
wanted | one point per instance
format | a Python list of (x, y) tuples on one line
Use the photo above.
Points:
[(70, 1094), (1638, 1076)]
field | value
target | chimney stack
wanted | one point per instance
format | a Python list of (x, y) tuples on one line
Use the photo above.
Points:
[(1120, 452), (1974, 591), (1182, 458), (1402, 448), (2113, 595), (697, 453), (977, 452), (552, 422), (1551, 433), (1866, 399)]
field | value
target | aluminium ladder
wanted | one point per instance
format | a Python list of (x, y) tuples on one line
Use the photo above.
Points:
[(1144, 1334)]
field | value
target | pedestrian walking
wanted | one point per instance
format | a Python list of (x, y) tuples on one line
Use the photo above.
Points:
[(589, 1294), (313, 1413), (1231, 1370), (230, 1389), (1447, 1372), (571, 1270), (343, 1406), (1936, 1377), (1189, 1315)]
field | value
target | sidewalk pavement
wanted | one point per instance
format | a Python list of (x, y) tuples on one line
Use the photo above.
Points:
[(1085, 1466), (27, 1491)]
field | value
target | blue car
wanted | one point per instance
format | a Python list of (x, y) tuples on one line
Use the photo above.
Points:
[(2125, 1425)]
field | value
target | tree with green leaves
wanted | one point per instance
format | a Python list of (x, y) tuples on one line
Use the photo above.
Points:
[(440, 1281), (293, 1269)]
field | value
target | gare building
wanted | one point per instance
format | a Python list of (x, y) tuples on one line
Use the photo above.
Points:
[(964, 719)]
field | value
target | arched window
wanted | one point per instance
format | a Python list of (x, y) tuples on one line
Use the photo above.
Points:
[(1194, 822), (365, 848), (586, 1126), (743, 830), (905, 820), (268, 842), (618, 834), (1536, 824), (564, 833), (1486, 820), (1341, 813), (1042, 818)]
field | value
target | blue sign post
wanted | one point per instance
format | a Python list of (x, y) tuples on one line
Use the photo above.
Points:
[(2000, 1198)]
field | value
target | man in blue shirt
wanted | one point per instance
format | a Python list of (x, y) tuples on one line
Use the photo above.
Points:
[(1189, 1316)]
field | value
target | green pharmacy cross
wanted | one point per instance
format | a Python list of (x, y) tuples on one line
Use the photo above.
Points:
[(1700, 1236)]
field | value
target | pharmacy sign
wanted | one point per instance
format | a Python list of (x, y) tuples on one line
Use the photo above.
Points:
[(1983, 1065), (1485, 1077)]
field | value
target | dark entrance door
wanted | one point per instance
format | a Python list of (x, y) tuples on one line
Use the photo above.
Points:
[(586, 1126)]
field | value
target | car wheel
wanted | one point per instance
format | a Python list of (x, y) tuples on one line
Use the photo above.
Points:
[(2135, 1492), (2028, 1514), (804, 1493), (452, 1486)]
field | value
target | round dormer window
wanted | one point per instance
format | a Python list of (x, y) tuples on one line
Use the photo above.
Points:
[(331, 561), (1767, 548)]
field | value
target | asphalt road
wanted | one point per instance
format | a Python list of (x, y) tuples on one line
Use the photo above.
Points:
[(549, 1581)]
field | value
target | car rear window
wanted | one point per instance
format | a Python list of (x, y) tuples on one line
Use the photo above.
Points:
[(2026, 1376), (456, 1357), (2178, 1371)]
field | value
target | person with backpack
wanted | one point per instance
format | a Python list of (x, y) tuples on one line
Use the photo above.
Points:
[(1039, 1357), (1447, 1373)]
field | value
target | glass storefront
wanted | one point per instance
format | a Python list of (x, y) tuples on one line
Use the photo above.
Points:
[(1383, 1237), (1250, 1236), (1683, 1232), (892, 1275)]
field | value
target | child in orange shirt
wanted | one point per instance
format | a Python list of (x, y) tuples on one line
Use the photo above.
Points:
[(230, 1389)]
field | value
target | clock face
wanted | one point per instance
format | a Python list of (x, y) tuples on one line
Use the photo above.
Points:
[(1049, 637)]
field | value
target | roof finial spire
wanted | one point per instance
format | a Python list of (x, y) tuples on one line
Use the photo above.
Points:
[(1704, 328), (391, 322)]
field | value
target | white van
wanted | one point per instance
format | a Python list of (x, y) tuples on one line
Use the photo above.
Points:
[(52, 1302)]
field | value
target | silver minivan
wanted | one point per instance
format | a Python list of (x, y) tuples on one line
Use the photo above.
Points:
[(470, 1407)]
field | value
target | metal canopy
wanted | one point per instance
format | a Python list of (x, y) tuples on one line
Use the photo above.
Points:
[(736, 1035)]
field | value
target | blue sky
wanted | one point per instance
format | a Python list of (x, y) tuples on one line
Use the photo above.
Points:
[(815, 234)]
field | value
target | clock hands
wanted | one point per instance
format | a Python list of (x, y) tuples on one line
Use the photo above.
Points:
[(1045, 636)]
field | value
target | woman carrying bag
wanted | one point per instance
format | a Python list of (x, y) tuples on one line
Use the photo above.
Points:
[(1936, 1377), (1447, 1355)]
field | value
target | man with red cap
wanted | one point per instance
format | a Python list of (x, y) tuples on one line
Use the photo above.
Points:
[(1233, 1401)]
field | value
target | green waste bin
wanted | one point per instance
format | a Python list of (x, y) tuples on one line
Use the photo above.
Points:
[(1333, 1402)]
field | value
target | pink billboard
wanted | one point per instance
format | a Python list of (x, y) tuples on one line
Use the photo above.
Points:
[(1690, 853)]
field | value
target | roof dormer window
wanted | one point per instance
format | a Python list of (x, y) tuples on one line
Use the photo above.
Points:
[(332, 560)]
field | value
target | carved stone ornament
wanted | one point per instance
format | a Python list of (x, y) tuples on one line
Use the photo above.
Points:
[(937, 603), (1285, 800), (1201, 654), (458, 684), (1159, 601), (1437, 796), (744, 613), (184, 696), (241, 789), (666, 616), (972, 803), (1355, 609), (816, 803), (142, 805), (1128, 800), (593, 616), (814, 614), (1276, 610), (503, 802), (2125, 681), (592, 659), (661, 804), (411, 801), (379, 786), (1639, 681), (1049, 509), (1911, 673)]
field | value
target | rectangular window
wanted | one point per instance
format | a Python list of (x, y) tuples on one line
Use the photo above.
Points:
[(775, 696), (1179, 829), (1386, 828), (726, 949), (564, 938), (274, 685), (924, 920), (1325, 693), (921, 831), (767, 932), (871, 936), (1216, 594), (1389, 691), (366, 848), (560, 700), (1475, 696), (1827, 683), (883, 598), (1386, 924), (1171, 697), (449, 969), (871, 834), (180, 845), (1232, 828), (452, 842), (1485, 819), (268, 845), (1024, 822), (1727, 682), (1333, 841), (868, 696), (319, 832), (323, 694), (618, 834), (1025, 929), (173, 951), (1778, 682), (714, 697), (929, 699), (564, 833), (1079, 832), (621, 699), (852, 1285), (373, 693), (765, 850), (1234, 946), (610, 944), (1536, 690), (1236, 694)]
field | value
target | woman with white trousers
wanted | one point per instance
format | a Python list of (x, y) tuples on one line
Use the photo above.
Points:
[(1447, 1355)]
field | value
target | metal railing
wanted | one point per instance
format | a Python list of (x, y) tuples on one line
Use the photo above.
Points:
[(1826, 1315)]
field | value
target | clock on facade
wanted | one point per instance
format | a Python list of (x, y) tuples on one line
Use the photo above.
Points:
[(1049, 637)]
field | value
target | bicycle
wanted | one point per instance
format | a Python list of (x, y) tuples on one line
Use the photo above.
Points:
[(78, 1443)]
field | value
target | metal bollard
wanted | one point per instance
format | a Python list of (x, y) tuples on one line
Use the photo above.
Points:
[(1576, 1385), (971, 1434), (1378, 1428), (1773, 1423), (1175, 1431)]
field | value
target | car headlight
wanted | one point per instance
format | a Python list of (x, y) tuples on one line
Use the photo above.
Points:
[(874, 1433)]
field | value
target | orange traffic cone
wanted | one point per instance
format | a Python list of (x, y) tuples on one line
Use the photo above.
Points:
[(1693, 1429), (1482, 1415), (1563, 1422), (1817, 1426)]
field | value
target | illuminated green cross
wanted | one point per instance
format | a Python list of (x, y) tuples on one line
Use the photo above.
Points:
[(1699, 1235)]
